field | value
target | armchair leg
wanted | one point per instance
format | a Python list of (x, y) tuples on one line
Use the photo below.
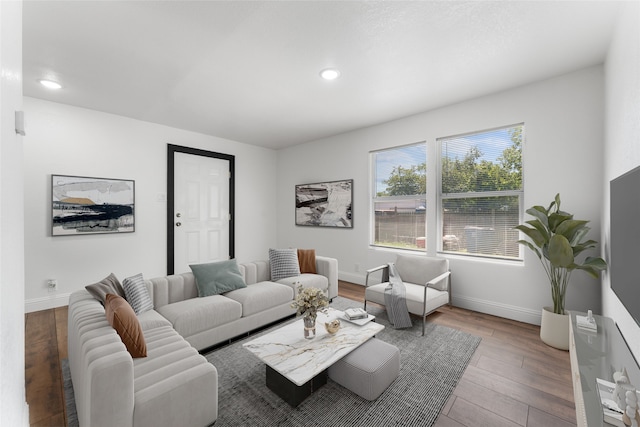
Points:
[(424, 319)]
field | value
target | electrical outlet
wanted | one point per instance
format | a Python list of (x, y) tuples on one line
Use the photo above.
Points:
[(357, 268), (52, 285)]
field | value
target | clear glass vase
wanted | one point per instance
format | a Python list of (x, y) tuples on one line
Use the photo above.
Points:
[(309, 327)]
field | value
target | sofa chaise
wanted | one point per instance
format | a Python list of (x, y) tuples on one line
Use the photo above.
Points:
[(173, 384)]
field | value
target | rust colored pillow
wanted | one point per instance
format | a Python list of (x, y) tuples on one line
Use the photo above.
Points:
[(124, 320), (307, 260)]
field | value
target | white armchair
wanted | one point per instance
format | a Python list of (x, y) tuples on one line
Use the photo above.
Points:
[(427, 280)]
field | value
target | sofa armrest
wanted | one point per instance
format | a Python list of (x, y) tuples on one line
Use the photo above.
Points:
[(109, 388), (385, 274), (99, 364), (441, 282), (328, 267)]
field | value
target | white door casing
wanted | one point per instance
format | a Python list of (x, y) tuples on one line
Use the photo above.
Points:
[(201, 217)]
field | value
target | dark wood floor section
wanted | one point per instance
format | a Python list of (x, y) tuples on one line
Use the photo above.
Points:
[(46, 346), (513, 378)]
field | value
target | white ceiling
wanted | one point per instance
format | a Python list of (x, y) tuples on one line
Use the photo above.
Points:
[(249, 71)]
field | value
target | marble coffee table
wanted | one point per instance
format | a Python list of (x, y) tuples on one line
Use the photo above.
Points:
[(295, 366)]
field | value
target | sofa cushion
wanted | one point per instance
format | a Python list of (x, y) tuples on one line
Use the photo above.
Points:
[(419, 269), (261, 296), (124, 320), (173, 288), (414, 296), (435, 298), (195, 315), (152, 319), (284, 263), (307, 260), (307, 281), (174, 385), (218, 277), (108, 285), (137, 294)]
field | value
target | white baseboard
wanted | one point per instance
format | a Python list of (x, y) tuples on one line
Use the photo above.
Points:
[(483, 306), (25, 415), (45, 303), (358, 279), (497, 309)]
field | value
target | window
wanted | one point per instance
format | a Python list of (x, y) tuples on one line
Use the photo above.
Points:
[(481, 192), (477, 179), (399, 197)]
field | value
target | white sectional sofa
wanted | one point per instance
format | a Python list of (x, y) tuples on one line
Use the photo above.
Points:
[(174, 384), (204, 322), (113, 389)]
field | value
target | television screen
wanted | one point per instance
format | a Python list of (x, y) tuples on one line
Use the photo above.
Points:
[(624, 265)]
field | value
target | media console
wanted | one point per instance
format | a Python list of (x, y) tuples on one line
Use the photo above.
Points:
[(596, 355)]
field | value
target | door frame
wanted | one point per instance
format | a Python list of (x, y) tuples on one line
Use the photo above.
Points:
[(171, 150)]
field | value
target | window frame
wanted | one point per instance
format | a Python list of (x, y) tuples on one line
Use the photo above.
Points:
[(440, 197), (374, 191), (434, 219)]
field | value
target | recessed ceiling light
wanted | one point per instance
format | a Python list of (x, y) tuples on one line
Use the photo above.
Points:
[(329, 74), (50, 84)]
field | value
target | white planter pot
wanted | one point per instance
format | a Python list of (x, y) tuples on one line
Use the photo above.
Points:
[(554, 329)]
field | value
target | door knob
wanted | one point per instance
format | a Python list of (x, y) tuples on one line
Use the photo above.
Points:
[(178, 224)]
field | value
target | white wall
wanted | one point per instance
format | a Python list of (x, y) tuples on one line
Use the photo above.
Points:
[(622, 148), (13, 407), (563, 119), (67, 140)]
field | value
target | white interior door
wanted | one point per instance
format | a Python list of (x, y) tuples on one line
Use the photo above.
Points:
[(201, 210)]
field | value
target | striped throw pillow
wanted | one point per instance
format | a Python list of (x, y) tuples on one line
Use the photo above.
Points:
[(284, 263), (137, 294)]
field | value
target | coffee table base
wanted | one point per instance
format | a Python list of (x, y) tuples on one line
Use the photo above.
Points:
[(290, 392)]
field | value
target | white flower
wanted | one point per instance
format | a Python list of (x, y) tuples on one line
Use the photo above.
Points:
[(309, 300)]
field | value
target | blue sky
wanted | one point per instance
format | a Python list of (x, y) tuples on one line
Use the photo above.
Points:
[(410, 155), (491, 144)]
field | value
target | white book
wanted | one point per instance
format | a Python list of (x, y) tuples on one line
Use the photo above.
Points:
[(355, 313)]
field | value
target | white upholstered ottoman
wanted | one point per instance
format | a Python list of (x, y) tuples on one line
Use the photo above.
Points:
[(369, 369)]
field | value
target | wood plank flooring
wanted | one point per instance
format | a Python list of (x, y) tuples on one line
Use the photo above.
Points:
[(46, 346), (513, 378)]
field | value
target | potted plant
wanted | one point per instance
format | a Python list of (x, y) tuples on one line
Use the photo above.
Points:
[(557, 239)]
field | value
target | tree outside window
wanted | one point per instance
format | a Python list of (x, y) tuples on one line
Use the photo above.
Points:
[(480, 197), (481, 192), (400, 200)]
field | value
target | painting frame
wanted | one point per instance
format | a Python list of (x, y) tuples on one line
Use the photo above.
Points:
[(84, 205), (324, 204)]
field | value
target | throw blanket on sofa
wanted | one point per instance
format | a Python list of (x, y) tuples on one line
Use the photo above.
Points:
[(395, 300)]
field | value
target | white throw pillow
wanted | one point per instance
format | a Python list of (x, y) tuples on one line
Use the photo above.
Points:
[(284, 263), (137, 294)]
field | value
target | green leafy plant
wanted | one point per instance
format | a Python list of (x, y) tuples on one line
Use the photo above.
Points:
[(557, 239)]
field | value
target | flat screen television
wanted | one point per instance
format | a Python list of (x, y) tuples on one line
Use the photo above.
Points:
[(624, 265)]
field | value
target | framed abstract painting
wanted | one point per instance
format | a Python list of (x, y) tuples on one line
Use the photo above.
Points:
[(325, 204), (85, 205)]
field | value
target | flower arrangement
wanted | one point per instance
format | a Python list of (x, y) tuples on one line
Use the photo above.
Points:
[(309, 301)]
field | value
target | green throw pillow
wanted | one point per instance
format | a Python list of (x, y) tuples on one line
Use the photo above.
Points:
[(217, 277)]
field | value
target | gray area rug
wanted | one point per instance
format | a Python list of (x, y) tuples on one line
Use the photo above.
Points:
[(430, 368)]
